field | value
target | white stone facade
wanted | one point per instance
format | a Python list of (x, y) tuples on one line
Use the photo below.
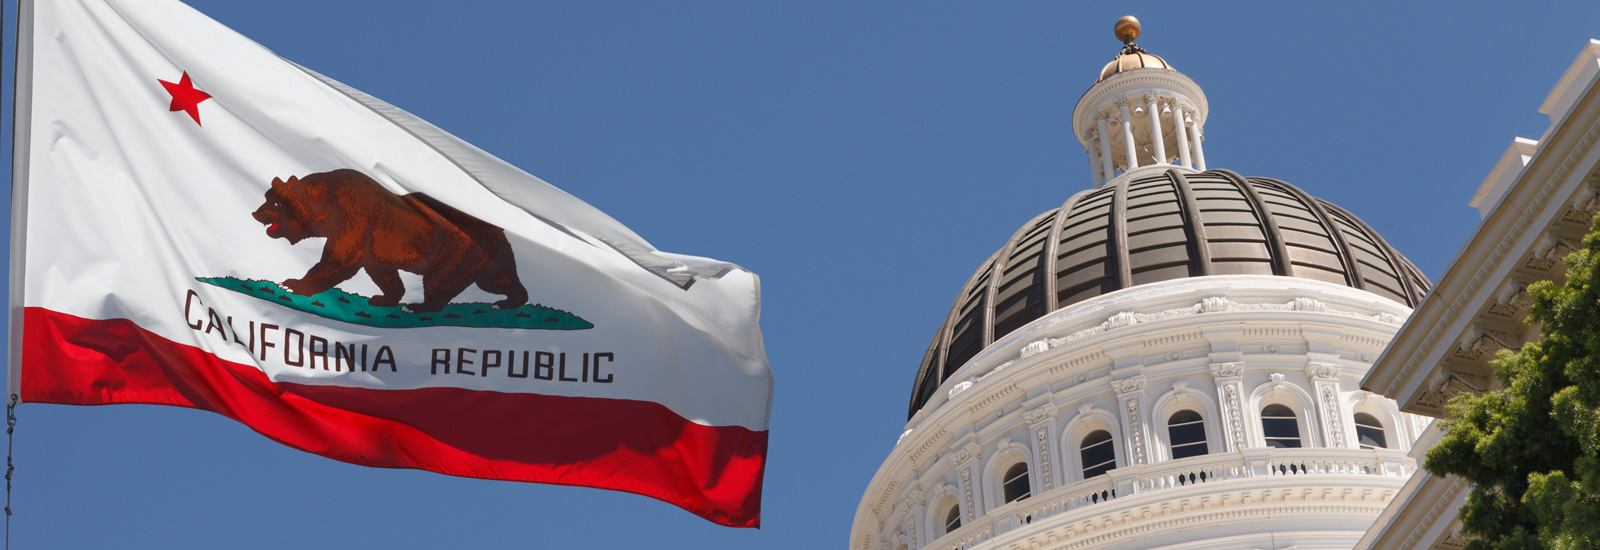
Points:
[(1225, 347)]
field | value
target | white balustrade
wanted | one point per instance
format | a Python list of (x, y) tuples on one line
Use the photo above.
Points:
[(1173, 474)]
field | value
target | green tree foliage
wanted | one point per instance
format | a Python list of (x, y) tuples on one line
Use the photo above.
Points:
[(1532, 449)]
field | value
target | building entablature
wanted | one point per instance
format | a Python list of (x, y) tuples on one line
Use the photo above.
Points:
[(1480, 304)]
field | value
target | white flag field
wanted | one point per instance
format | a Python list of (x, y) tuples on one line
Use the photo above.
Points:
[(198, 222)]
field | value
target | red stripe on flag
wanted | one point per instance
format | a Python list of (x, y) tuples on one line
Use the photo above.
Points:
[(632, 446)]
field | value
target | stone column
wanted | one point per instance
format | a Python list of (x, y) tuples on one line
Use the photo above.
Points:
[(1199, 151), (1230, 394), (1094, 163), (1041, 423), (1325, 383), (967, 460), (1155, 129), (1105, 148), (1127, 137), (1183, 134)]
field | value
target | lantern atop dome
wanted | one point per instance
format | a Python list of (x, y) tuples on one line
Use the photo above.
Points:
[(1139, 113)]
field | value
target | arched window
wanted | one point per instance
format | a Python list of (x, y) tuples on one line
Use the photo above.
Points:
[(1280, 427), (1099, 456), (1015, 483), (1187, 432), (952, 520), (1370, 432)]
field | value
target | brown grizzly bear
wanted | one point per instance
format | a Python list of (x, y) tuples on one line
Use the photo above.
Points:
[(369, 227)]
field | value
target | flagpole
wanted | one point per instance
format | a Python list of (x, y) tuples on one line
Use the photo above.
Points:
[(21, 122), (15, 314)]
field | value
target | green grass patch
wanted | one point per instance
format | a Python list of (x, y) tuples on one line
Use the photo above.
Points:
[(354, 308)]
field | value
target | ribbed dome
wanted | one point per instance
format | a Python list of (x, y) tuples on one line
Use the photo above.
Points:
[(1129, 61), (1156, 227)]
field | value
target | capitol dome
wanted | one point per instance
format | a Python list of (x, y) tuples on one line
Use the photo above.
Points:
[(1168, 360), (1156, 226)]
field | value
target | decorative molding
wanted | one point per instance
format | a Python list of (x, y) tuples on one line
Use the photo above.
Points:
[(966, 486), (1097, 531), (992, 398), (1453, 537), (1364, 340), (1335, 420), (926, 444), (1496, 257), (883, 498), (1445, 502), (1550, 250), (1136, 428), (1082, 359), (1169, 340), (1227, 370), (967, 454), (1230, 400), (1043, 444), (1214, 304), (911, 528), (1309, 304), (1128, 385), (1479, 341), (1040, 413), (957, 389), (1448, 383), (1272, 332), (1322, 371), (1512, 300)]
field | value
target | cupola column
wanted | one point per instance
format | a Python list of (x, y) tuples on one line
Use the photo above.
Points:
[(1183, 137), (1199, 152), (1094, 167), (1105, 149), (1155, 129), (1127, 138)]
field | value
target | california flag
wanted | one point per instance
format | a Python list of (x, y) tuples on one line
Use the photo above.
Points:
[(198, 222)]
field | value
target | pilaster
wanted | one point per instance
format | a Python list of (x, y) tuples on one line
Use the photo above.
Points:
[(1130, 391), (967, 460), (1043, 430), (1230, 393), (1324, 378)]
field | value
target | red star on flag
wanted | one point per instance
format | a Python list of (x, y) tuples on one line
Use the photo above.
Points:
[(184, 97)]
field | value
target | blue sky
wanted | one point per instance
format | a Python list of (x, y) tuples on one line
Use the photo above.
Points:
[(862, 157)]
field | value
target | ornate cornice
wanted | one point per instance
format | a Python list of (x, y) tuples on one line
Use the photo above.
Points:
[(1456, 301), (1133, 84)]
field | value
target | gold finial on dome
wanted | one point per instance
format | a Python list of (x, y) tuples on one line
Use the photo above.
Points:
[(1127, 29)]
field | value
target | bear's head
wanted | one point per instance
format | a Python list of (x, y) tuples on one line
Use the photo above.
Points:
[(295, 209)]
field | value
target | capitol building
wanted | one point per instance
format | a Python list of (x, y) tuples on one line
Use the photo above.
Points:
[(1181, 356)]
